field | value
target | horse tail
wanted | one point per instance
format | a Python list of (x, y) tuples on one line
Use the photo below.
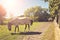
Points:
[(31, 22)]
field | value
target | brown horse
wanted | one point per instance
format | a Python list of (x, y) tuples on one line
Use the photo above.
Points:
[(20, 21)]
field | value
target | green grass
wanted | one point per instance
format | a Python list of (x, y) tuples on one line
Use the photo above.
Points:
[(5, 34)]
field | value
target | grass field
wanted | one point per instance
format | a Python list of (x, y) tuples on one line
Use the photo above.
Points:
[(5, 34)]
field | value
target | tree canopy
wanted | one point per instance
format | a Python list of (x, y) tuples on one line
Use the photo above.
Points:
[(54, 6), (2, 11), (37, 13), (2, 14)]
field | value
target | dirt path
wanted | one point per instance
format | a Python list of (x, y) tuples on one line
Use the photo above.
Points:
[(36, 33), (57, 31)]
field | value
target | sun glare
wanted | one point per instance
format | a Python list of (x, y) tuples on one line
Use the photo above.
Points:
[(13, 6)]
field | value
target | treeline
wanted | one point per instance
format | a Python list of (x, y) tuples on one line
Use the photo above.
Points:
[(37, 13)]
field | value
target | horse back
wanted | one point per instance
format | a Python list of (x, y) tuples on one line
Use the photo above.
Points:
[(24, 21)]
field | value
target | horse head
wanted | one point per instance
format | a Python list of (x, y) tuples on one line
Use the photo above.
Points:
[(9, 26)]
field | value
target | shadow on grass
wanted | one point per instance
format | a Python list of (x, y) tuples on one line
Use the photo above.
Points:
[(26, 33)]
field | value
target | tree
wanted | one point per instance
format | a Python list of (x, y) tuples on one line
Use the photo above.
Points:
[(33, 12), (2, 14), (2, 11), (54, 6), (36, 13)]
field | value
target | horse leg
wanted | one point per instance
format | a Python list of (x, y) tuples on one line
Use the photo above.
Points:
[(15, 29), (28, 27), (25, 27), (18, 29)]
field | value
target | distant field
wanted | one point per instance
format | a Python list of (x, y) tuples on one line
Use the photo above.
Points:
[(5, 34)]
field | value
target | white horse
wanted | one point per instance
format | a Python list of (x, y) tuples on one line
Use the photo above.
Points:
[(20, 21)]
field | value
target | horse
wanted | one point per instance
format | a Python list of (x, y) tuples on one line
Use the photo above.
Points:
[(20, 21)]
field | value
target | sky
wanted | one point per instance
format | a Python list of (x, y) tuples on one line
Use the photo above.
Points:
[(17, 7)]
